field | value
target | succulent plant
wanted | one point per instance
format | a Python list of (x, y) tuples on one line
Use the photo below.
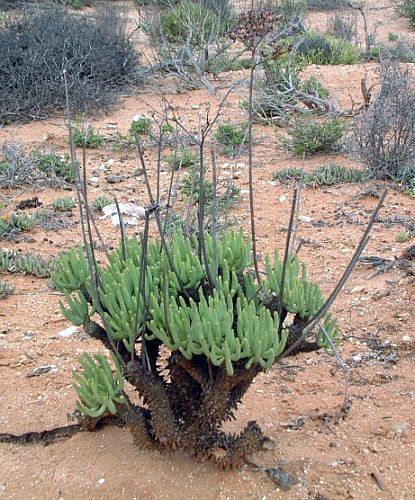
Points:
[(99, 389), (220, 333)]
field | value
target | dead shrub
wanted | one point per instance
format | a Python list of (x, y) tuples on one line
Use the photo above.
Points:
[(384, 135), (39, 43)]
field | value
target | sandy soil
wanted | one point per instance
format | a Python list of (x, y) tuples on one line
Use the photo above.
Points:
[(370, 454)]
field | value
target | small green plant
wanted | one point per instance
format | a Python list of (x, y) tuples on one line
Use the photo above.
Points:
[(311, 137), (231, 137), (141, 125), (182, 158), (324, 175), (190, 187), (404, 236), (5, 289), (314, 87), (86, 136), (100, 202), (64, 204), (316, 48), (53, 164), (393, 37), (226, 196), (25, 263), (192, 22), (15, 223)]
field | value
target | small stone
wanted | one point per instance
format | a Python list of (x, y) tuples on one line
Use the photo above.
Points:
[(357, 358), (282, 198), (40, 370), (114, 179), (406, 338), (304, 218), (68, 331), (402, 427), (110, 162), (101, 481), (237, 174), (94, 180), (358, 289)]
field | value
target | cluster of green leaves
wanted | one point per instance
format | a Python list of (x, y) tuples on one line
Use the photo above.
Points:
[(15, 223), (182, 158), (141, 125), (324, 175), (25, 263), (194, 21), (64, 204), (87, 136), (189, 188), (100, 202), (168, 300), (317, 48), (54, 164), (313, 86), (99, 389), (231, 137), (312, 136), (404, 236)]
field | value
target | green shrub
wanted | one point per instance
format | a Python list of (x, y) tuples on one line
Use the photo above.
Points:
[(100, 202), (226, 196), (190, 187), (231, 137), (316, 48), (183, 158), (314, 87), (141, 125), (87, 136), (52, 163), (191, 21), (289, 13), (408, 9), (311, 137), (393, 37)]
